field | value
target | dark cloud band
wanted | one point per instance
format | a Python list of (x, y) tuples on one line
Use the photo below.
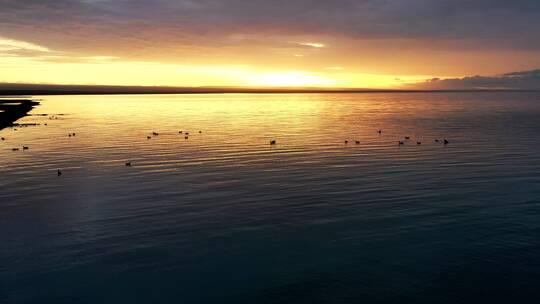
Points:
[(506, 23)]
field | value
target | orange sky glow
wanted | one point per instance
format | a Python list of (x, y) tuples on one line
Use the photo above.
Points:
[(231, 43)]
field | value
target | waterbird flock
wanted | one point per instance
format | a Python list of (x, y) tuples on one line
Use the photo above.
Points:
[(273, 142)]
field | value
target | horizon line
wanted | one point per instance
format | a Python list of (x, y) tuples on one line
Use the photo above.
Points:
[(21, 89)]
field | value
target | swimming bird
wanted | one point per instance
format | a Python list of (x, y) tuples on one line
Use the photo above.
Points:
[(180, 132), (187, 137), (418, 142), (446, 142), (128, 164), (155, 133), (187, 133), (400, 143), (407, 137), (73, 134), (3, 138), (436, 140), (272, 142), (58, 172), (25, 148), (200, 132), (148, 137), (346, 142), (357, 142), (69, 135), (15, 149), (380, 131)]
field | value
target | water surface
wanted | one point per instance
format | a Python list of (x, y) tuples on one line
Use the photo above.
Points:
[(224, 217)]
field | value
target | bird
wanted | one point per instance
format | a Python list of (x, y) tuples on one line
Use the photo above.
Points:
[(187, 133), (148, 137), (187, 137), (418, 142), (155, 133), (15, 149), (357, 142), (128, 164), (401, 143), (380, 131), (45, 124), (73, 134), (25, 148), (180, 132), (69, 135), (3, 138), (407, 137), (200, 132), (346, 142), (436, 140), (58, 172), (272, 142), (446, 142)]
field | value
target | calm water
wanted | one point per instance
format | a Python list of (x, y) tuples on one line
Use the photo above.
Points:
[(224, 217)]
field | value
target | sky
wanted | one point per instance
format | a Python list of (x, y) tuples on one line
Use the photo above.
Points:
[(296, 43)]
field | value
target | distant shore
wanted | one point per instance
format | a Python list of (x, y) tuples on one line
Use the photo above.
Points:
[(46, 89)]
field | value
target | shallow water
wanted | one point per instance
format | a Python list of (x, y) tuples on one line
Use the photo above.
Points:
[(225, 217)]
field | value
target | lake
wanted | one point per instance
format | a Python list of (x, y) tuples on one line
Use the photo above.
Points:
[(225, 217)]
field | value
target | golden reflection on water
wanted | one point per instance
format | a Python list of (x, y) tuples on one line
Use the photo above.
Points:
[(225, 200), (112, 128)]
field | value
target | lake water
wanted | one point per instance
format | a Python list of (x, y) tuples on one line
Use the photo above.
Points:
[(224, 217)]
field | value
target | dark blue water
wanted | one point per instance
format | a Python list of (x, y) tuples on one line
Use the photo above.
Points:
[(223, 217)]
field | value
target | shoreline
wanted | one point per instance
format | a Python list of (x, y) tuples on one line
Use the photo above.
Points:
[(12, 110)]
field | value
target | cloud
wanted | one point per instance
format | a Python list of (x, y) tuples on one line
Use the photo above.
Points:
[(11, 45), (83, 24), (526, 80), (313, 45)]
